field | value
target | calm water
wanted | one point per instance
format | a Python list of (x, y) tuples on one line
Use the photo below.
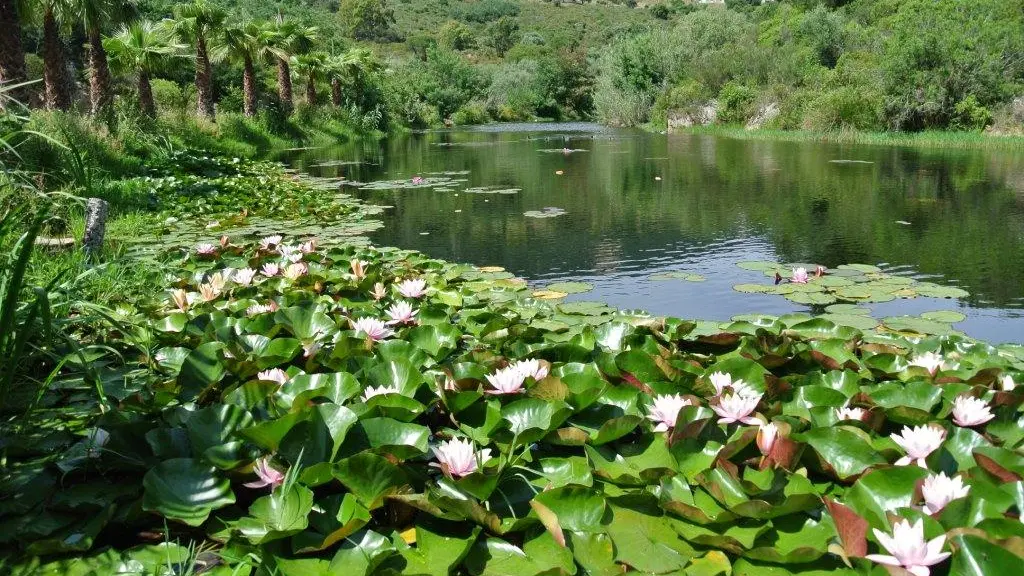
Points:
[(718, 201)]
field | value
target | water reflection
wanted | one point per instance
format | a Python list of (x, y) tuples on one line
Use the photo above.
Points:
[(639, 203)]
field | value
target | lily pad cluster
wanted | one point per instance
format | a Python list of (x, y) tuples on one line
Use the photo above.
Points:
[(548, 212), (856, 283), (293, 409)]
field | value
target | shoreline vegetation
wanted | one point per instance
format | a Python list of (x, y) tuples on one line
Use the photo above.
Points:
[(928, 139)]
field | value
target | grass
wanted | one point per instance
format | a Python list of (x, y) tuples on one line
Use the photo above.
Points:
[(928, 139)]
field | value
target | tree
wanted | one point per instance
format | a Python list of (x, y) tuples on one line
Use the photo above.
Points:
[(368, 19), (311, 66), (197, 23), (12, 52), (57, 80), (143, 48), (94, 14), (355, 65), (286, 40), (502, 34), (245, 43), (455, 35)]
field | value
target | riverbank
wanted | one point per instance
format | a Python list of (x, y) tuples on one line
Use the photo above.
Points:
[(927, 139)]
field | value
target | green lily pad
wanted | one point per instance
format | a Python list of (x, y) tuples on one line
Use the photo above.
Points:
[(570, 287), (677, 275), (945, 316)]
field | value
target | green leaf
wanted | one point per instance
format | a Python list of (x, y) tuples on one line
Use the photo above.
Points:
[(279, 515), (438, 340), (578, 509), (215, 425), (370, 477), (881, 491), (646, 540), (845, 451), (977, 556), (201, 368), (361, 554), (185, 489)]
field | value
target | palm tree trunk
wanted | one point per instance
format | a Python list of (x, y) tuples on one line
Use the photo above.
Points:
[(336, 92), (311, 90), (204, 80), (284, 85), (12, 53), (58, 90), (249, 87), (99, 73), (146, 95)]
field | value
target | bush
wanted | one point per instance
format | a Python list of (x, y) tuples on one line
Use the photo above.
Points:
[(969, 115), (735, 103), (843, 108), (471, 113), (502, 34), (455, 35), (485, 11), (174, 98)]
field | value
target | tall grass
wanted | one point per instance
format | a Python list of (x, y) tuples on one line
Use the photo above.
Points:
[(927, 139)]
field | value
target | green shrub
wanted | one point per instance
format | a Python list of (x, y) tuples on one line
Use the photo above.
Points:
[(843, 108), (485, 11), (969, 115), (455, 35), (471, 113), (735, 103)]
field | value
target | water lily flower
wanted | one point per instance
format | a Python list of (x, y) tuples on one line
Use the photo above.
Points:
[(268, 475), (737, 408), (224, 241), (290, 253), (270, 241), (969, 411), (181, 299), (939, 490), (402, 313), (450, 384), (372, 328), (379, 292), (213, 224), (819, 271), (218, 282), (208, 292), (372, 391), (799, 276), (1007, 383), (767, 434), (665, 410), (930, 361), (274, 375), (918, 443), (243, 276), (532, 368), (417, 180), (95, 441), (206, 249), (909, 549), (412, 288), (847, 413), (270, 269), (296, 271), (724, 382), (359, 269), (257, 309), (309, 246), (458, 458), (508, 380)]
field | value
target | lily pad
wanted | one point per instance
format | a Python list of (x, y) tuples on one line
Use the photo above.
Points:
[(570, 287), (677, 275), (945, 316)]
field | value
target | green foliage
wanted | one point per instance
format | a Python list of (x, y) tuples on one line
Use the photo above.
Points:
[(502, 35), (484, 11), (735, 103), (969, 114), (368, 19), (455, 35)]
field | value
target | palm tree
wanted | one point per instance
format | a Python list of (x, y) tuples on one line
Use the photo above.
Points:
[(248, 43), (312, 66), (196, 24), (12, 53), (94, 14), (143, 48), (354, 63), (287, 39), (57, 79)]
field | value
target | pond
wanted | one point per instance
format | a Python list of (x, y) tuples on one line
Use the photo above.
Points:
[(580, 202)]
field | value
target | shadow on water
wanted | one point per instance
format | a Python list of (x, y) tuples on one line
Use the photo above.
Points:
[(637, 204)]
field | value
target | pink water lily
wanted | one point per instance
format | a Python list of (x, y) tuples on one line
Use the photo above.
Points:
[(243, 276), (268, 475), (208, 293), (737, 408), (372, 328), (412, 288), (402, 313), (848, 413), (939, 490), (665, 410), (799, 276), (724, 383), (767, 434), (270, 269), (417, 180), (274, 375), (459, 457), (379, 292), (309, 246), (371, 391), (181, 299), (930, 361), (358, 268), (918, 443), (531, 368), (908, 549), (270, 241), (508, 380), (206, 249), (969, 411)]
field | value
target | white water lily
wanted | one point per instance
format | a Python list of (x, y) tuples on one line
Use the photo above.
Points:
[(402, 313), (848, 413), (908, 548), (296, 271), (665, 410), (969, 411), (508, 380), (181, 299), (218, 281), (274, 375), (270, 269), (459, 457), (532, 368), (257, 309), (290, 253), (930, 361), (206, 249), (939, 490), (379, 292), (243, 276), (918, 443), (737, 408), (1007, 383), (372, 328), (767, 434), (412, 288), (270, 241), (208, 292), (371, 391)]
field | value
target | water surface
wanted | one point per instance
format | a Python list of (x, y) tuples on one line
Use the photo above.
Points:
[(638, 204)]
